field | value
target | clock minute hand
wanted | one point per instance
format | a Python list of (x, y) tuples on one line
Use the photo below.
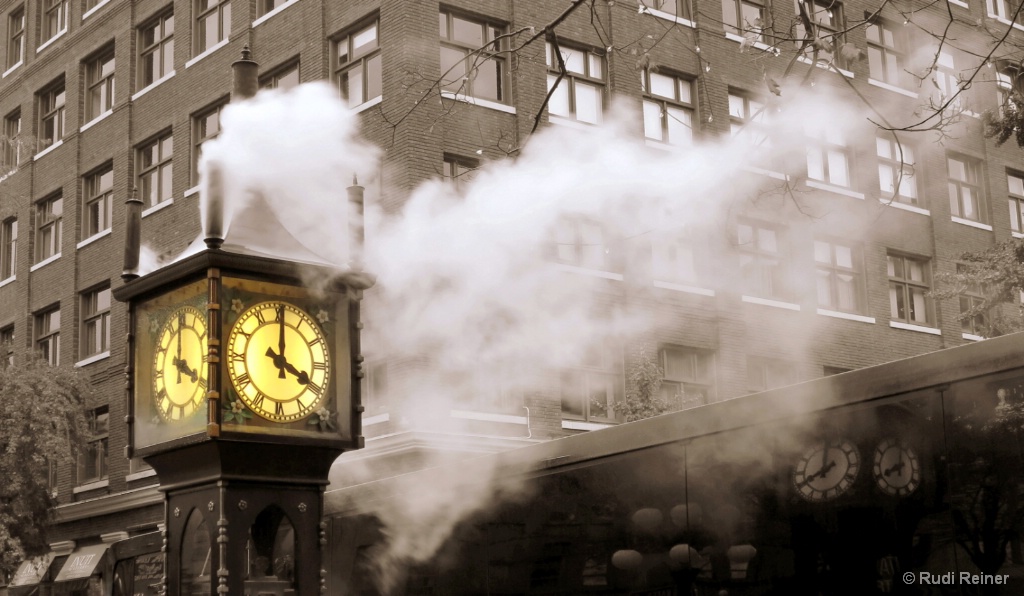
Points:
[(280, 340), (283, 365)]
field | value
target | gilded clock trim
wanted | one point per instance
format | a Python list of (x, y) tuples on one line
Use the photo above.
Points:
[(179, 371), (827, 470), (277, 359), (897, 469)]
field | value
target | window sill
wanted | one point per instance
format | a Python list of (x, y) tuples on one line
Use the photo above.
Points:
[(366, 105), (140, 475), (757, 44), (220, 44), (159, 206), (683, 288), (378, 419), (772, 303), (971, 337), (892, 88), (669, 147), (48, 149), (581, 425), (273, 12), (918, 328), (43, 263), (968, 222), (839, 190), (95, 121), (50, 41), (1017, 234), (152, 85), (846, 315), (91, 486), (8, 280), (93, 238), (569, 122), (1000, 19), (192, 191), (484, 103), (489, 417), (898, 205), (827, 66), (769, 173), (12, 69), (665, 15), (590, 272), (92, 359), (959, 3), (93, 10)]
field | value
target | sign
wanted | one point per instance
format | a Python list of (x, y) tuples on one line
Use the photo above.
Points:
[(82, 563), (31, 571), (149, 570)]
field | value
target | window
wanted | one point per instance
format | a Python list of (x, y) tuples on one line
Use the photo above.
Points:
[(947, 83), (16, 37), (761, 261), (580, 242), (1004, 9), (1009, 85), (357, 66), (156, 169), (92, 461), (212, 24), (971, 299), (909, 283), (580, 95), (205, 127), (283, 78), (156, 50), (12, 141), (95, 322), (375, 386), (827, 154), (768, 373), (965, 198), (896, 170), (9, 248), (745, 18), (1015, 184), (676, 8), (885, 61), (674, 259), (55, 18), (48, 335), (827, 17), (689, 376), (472, 62), (99, 198), (51, 115), (591, 387), (49, 213), (7, 345), (746, 118), (840, 276), (668, 108), (458, 171), (265, 6)]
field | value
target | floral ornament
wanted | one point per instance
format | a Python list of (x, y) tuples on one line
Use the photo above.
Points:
[(155, 420), (237, 306), (236, 412), (323, 418), (322, 316), (154, 326)]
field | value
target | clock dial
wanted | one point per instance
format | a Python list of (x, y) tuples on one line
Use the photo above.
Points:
[(897, 469), (277, 361), (179, 371), (826, 471)]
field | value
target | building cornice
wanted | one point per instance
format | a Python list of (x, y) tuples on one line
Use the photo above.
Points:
[(129, 499)]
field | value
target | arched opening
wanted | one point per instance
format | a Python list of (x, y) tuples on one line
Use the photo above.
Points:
[(270, 554), (195, 556)]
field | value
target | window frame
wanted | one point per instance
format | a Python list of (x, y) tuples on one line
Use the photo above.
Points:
[(765, 366), (199, 136), (265, 7), (50, 226), (902, 286), (891, 55), (573, 79), (92, 314), (575, 225), (52, 102), (458, 171), (824, 142), (46, 334), (677, 267), (55, 13), (222, 8), (12, 141), (99, 86), (607, 371), (273, 79), (7, 339), (9, 248), (97, 446), (1016, 199), (680, 9), (98, 203), (16, 36), (902, 171), (358, 58), (833, 271), (666, 105), (162, 46), (685, 385), (972, 169), (732, 19), (971, 297), (163, 168), (834, 30), (491, 35), (769, 265)]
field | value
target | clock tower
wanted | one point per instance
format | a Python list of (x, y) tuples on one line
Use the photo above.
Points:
[(242, 389)]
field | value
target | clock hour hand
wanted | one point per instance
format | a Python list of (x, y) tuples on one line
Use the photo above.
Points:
[(283, 365), (182, 365), (897, 467)]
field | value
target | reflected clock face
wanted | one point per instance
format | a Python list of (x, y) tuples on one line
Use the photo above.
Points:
[(278, 361), (179, 371), (827, 470), (897, 470)]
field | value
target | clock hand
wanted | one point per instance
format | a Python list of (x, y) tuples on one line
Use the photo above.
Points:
[(283, 365), (183, 367), (280, 341), (181, 323), (896, 467)]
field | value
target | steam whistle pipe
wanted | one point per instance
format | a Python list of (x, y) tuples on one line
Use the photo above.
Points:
[(132, 236), (356, 238), (214, 195), (244, 76)]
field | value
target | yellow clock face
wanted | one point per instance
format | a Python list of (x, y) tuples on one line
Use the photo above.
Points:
[(179, 371), (277, 360)]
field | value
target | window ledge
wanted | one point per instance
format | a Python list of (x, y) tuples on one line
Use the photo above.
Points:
[(665, 285), (93, 238), (769, 173), (918, 328), (757, 44), (839, 190), (12, 69), (273, 12), (665, 15), (192, 191), (378, 419), (846, 315), (827, 66), (93, 10), (158, 207), (48, 149), (484, 103), (489, 417), (590, 272), (580, 425), (50, 41), (569, 122), (893, 88), (93, 358), (959, 3), (152, 85), (43, 263), (91, 486), (772, 303), (366, 105), (1017, 234), (95, 121), (8, 280), (968, 222), (220, 44), (971, 337), (140, 475), (1006, 21), (898, 205)]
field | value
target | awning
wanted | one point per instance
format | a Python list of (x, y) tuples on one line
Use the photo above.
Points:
[(79, 567), (29, 574)]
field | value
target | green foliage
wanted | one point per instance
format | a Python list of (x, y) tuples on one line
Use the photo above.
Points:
[(1010, 123), (997, 275), (643, 384), (42, 421)]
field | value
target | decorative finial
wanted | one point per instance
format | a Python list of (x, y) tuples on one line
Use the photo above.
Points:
[(246, 53), (355, 180)]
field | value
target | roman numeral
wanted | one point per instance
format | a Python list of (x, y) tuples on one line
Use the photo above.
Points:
[(181, 413), (238, 357), (279, 408), (319, 366), (314, 342), (257, 402), (159, 373), (202, 383), (242, 380), (317, 389), (259, 317)]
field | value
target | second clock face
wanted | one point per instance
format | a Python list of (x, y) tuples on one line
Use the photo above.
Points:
[(278, 362), (897, 469), (179, 371), (826, 471)]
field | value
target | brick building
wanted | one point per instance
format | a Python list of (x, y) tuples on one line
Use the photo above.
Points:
[(101, 97)]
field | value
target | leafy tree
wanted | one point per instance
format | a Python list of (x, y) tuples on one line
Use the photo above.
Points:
[(42, 421), (643, 399), (997, 276)]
